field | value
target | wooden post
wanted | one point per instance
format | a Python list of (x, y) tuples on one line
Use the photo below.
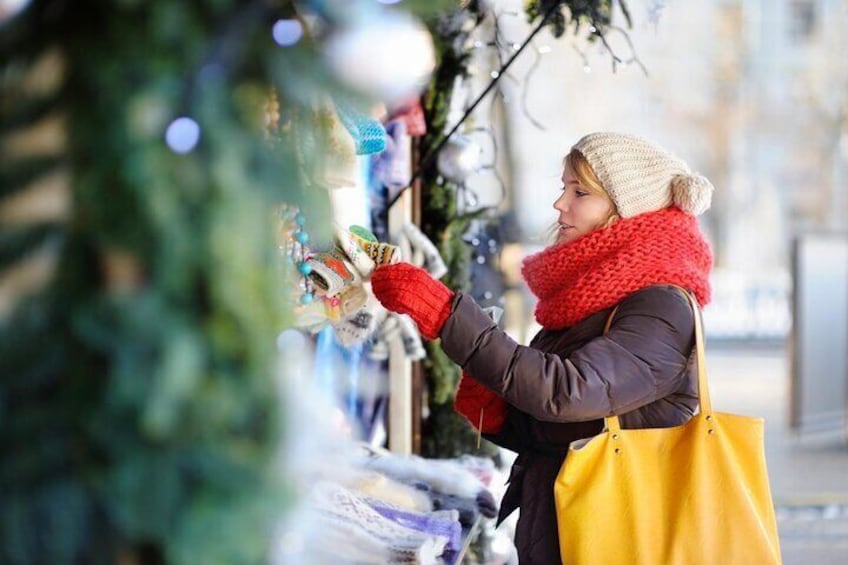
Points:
[(400, 368)]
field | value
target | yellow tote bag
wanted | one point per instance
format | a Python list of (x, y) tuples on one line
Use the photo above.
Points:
[(692, 494)]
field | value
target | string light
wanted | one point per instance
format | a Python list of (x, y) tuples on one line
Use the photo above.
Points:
[(287, 32), (182, 135)]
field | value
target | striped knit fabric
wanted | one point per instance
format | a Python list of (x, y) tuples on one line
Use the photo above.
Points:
[(577, 279)]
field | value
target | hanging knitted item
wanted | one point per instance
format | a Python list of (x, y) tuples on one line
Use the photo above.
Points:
[(342, 297), (345, 304), (340, 167), (424, 252), (380, 253), (393, 326), (355, 252), (339, 276), (412, 115), (325, 152), (392, 167), (397, 326), (358, 327), (361, 248), (368, 134), (331, 272), (411, 339), (311, 317)]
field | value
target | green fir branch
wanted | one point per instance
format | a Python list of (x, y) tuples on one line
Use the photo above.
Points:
[(22, 110), (16, 244), (18, 174)]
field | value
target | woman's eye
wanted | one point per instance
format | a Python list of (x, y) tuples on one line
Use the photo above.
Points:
[(580, 193)]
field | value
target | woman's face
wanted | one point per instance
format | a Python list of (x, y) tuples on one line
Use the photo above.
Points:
[(580, 211)]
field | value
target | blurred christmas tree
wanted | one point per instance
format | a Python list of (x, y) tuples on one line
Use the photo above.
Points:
[(140, 291)]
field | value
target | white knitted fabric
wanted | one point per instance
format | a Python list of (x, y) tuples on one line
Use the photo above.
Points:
[(356, 533), (642, 177)]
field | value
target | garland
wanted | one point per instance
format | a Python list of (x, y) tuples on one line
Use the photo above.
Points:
[(444, 433)]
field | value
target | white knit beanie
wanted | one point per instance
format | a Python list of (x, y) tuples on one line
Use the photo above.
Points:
[(642, 177)]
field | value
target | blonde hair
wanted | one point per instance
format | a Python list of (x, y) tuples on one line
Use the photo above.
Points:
[(588, 180)]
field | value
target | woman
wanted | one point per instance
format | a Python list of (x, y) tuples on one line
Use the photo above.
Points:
[(627, 236)]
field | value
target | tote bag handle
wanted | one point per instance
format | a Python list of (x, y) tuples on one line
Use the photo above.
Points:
[(612, 424)]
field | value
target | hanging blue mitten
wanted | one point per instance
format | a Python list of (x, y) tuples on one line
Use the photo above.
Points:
[(368, 134)]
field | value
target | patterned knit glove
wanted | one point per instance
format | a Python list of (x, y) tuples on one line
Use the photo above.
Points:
[(408, 289), (476, 402)]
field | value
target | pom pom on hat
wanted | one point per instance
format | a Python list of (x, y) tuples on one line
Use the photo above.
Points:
[(692, 193), (641, 177)]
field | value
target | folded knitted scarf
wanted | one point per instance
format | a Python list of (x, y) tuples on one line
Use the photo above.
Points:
[(355, 527), (376, 485), (576, 279), (443, 523)]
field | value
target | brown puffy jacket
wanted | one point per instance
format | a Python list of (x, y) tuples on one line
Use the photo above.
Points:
[(566, 381)]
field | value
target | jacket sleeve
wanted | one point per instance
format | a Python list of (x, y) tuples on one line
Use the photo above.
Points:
[(641, 359), (484, 410)]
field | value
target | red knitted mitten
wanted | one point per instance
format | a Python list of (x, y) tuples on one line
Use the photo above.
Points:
[(474, 401), (408, 289)]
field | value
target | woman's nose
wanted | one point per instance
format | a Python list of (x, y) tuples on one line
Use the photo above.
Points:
[(561, 203)]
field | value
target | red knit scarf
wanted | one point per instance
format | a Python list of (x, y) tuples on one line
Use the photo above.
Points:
[(577, 279)]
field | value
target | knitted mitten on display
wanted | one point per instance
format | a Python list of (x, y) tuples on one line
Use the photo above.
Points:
[(484, 409), (368, 134), (392, 167), (397, 326), (356, 329), (410, 338), (412, 114), (364, 250), (332, 272), (407, 289), (424, 252), (349, 243)]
